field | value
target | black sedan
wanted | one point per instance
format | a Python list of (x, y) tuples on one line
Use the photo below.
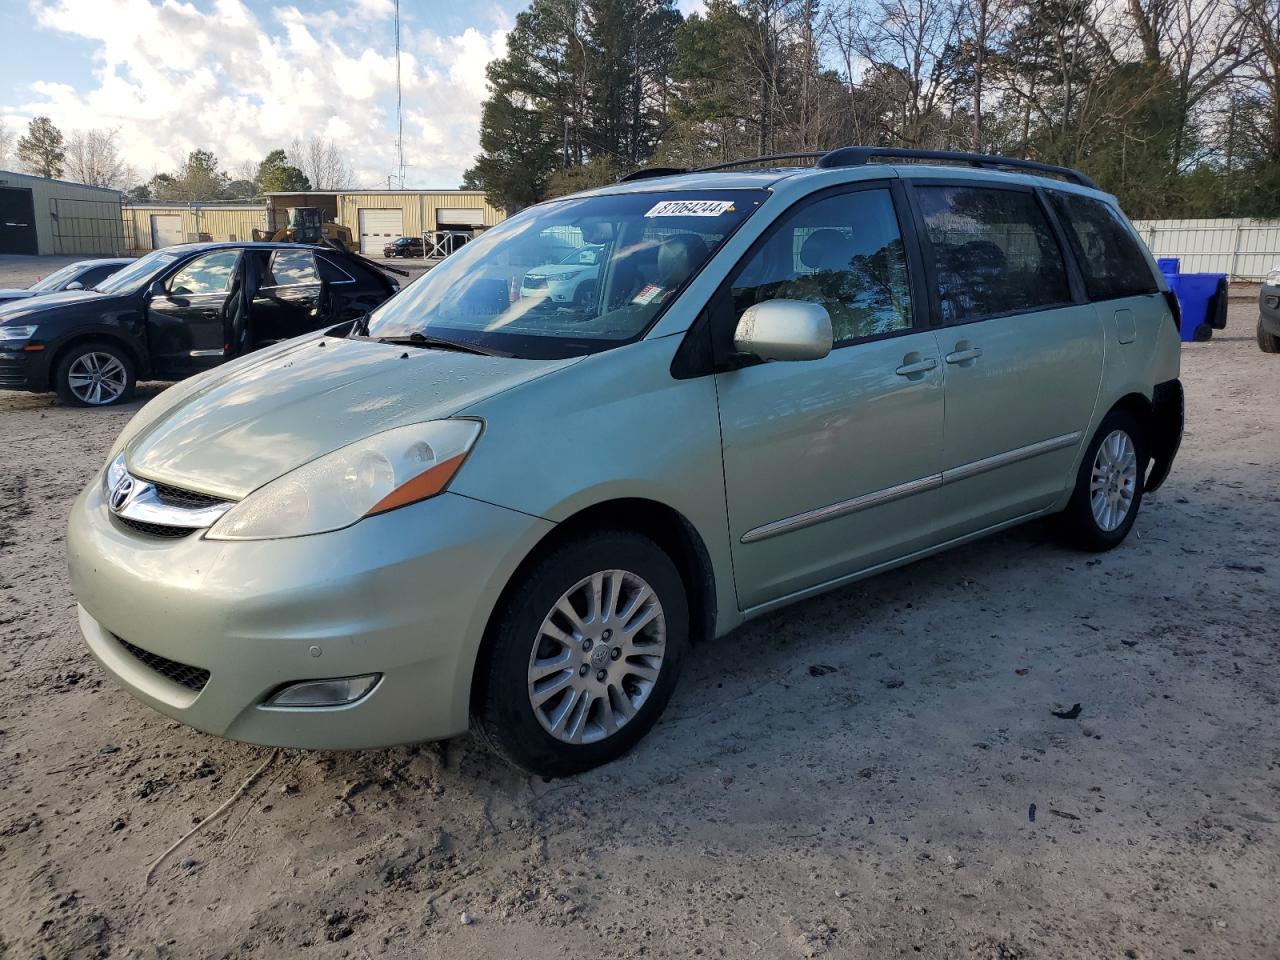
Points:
[(178, 311), (80, 275), (404, 247)]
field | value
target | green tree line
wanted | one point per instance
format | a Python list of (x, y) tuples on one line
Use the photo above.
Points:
[(1173, 105)]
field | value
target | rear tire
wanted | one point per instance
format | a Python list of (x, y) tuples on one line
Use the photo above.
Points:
[(95, 373), (560, 691), (1109, 485), (1267, 342)]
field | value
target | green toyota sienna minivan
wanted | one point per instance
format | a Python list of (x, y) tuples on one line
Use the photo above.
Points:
[(486, 507)]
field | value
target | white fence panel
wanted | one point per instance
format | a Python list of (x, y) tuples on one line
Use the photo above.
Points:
[(1243, 249)]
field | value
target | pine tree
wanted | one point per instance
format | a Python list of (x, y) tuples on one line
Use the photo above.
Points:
[(41, 150)]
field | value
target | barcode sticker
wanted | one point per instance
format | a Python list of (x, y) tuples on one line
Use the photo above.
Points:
[(690, 208)]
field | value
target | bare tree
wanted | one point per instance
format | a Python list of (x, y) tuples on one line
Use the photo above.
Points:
[(7, 138), (94, 158), (323, 162)]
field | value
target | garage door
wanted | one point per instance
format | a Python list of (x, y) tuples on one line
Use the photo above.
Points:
[(166, 230), (378, 228), (17, 221), (464, 217)]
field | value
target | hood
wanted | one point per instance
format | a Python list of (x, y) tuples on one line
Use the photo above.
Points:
[(21, 309), (559, 271), (242, 427), (10, 293)]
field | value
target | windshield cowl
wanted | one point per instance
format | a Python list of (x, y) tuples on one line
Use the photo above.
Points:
[(569, 277)]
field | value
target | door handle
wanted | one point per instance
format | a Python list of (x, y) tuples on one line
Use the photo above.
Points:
[(918, 366), (966, 355), (211, 314)]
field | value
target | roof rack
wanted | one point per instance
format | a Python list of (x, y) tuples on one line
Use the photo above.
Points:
[(858, 156)]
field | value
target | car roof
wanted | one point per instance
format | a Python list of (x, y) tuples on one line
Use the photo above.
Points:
[(812, 177), (248, 245), (102, 262)]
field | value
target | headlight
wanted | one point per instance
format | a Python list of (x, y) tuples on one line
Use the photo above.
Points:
[(368, 477), (113, 474), (13, 334)]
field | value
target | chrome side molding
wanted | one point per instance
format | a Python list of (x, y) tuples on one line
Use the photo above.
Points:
[(911, 487)]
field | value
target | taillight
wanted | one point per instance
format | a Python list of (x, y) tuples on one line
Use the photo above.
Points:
[(1175, 309)]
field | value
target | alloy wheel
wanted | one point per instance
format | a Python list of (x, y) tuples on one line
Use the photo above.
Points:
[(1114, 480), (97, 378), (597, 657)]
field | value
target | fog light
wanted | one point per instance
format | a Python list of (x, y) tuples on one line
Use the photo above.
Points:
[(325, 693)]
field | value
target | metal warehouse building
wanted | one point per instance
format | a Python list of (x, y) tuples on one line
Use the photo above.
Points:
[(149, 226), (40, 216), (376, 217)]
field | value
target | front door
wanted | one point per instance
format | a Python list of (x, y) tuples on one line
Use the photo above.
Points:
[(832, 466), (1022, 349), (185, 323)]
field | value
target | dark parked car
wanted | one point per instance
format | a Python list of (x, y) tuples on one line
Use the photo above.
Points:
[(404, 247), (178, 311), (1269, 313), (80, 275)]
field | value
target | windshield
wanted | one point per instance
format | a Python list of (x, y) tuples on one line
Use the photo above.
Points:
[(640, 250), (57, 278), (138, 274)]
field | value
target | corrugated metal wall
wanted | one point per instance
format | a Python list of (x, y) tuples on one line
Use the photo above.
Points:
[(199, 222), (71, 218), (1243, 249), (419, 208)]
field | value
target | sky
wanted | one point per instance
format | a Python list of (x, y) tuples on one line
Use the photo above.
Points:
[(242, 77)]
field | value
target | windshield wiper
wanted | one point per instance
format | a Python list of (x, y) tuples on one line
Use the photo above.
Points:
[(439, 343)]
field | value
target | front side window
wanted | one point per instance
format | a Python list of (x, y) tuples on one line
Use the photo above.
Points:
[(844, 252), (521, 289), (1110, 258), (211, 273), (55, 280), (994, 252), (289, 268)]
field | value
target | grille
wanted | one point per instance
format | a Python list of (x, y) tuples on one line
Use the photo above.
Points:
[(178, 497), (155, 529), (534, 283), (193, 678)]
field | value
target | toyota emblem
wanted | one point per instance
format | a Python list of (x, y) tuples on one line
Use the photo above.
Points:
[(122, 494)]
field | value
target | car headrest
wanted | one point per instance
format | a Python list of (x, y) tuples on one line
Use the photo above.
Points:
[(678, 257), (825, 249)]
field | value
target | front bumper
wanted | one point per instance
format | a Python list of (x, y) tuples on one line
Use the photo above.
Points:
[(406, 594), (23, 369)]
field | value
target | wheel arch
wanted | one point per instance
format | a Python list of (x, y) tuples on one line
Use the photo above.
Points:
[(94, 336), (667, 527), (1161, 418)]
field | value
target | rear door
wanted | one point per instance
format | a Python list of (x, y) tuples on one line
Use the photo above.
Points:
[(1023, 350), (185, 324), (832, 466), (288, 301)]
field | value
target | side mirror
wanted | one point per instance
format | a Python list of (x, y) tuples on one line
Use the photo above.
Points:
[(74, 285), (156, 289), (784, 330)]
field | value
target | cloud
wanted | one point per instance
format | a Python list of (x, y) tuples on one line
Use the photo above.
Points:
[(173, 76)]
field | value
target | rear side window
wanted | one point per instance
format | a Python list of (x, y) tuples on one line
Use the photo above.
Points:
[(1110, 258), (994, 252), (289, 268), (844, 252)]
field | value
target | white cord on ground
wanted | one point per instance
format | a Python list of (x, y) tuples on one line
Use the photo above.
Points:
[(226, 805)]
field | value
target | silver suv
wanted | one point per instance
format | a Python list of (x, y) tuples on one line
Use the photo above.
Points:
[(483, 506)]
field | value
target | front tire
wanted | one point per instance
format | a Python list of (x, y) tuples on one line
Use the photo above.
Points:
[(95, 374), (1267, 342), (1109, 485), (584, 654)]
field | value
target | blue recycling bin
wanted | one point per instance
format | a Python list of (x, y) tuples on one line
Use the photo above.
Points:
[(1169, 265), (1202, 297)]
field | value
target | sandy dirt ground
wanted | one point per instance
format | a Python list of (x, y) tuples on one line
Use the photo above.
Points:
[(875, 773)]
